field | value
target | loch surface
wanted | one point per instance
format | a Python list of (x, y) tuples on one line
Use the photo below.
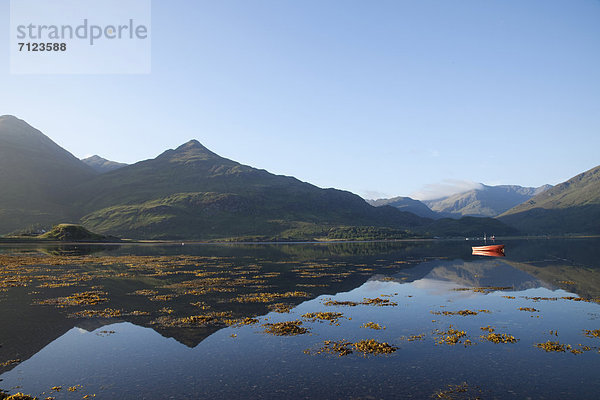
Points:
[(345, 320)]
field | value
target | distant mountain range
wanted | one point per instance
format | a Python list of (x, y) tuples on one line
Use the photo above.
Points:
[(192, 193), (486, 201), (570, 207), (102, 165), (407, 204), (185, 193)]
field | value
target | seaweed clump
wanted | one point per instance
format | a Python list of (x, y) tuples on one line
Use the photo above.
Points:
[(372, 346), (88, 298), (287, 328), (460, 312), (592, 333), (529, 309), (16, 396), (550, 346), (457, 392), (339, 347), (497, 337), (484, 289), (414, 338), (500, 338), (452, 336), (267, 297), (194, 321), (242, 322), (281, 308), (377, 301), (332, 317), (9, 362), (366, 347), (372, 325)]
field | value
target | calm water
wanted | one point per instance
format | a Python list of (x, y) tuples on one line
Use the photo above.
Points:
[(115, 321)]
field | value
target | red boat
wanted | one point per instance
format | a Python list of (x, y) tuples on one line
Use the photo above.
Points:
[(496, 250), (493, 247)]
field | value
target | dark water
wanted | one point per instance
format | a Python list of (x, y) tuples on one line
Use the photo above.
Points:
[(148, 350)]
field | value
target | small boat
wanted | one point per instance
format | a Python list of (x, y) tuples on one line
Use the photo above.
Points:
[(493, 247), (496, 250), (493, 250)]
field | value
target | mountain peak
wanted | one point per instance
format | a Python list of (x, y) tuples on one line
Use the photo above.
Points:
[(16, 132), (189, 151), (102, 165), (9, 118), (11, 122), (95, 157), (192, 144)]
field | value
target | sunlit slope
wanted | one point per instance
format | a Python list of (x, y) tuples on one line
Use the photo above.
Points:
[(570, 207), (193, 192)]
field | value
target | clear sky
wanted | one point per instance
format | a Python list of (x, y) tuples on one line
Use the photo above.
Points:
[(377, 97)]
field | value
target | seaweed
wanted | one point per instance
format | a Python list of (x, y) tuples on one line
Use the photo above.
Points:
[(332, 317), (343, 348), (287, 328), (372, 325), (529, 309)]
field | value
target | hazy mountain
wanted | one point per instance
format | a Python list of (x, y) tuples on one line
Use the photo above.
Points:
[(570, 207), (407, 204), (488, 201), (36, 176), (102, 165), (490, 272)]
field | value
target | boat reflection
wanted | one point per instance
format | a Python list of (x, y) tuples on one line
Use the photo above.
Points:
[(488, 253)]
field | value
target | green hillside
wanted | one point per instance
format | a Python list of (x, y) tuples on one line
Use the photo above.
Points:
[(72, 233), (191, 192), (570, 207), (36, 176)]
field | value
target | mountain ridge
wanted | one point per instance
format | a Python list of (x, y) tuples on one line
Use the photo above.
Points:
[(193, 184), (416, 207), (102, 165), (572, 206), (36, 177), (487, 201), (190, 193)]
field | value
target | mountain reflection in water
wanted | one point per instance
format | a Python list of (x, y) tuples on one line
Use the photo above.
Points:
[(530, 298)]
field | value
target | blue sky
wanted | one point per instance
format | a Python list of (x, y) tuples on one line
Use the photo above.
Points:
[(377, 97)]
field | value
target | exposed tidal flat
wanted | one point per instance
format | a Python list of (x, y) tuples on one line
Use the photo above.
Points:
[(419, 319)]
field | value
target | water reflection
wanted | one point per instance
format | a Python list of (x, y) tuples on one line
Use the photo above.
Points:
[(530, 298)]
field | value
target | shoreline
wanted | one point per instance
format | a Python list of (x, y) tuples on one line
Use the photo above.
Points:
[(125, 242)]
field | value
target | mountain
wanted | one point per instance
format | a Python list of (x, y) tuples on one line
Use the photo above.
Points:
[(487, 201), (191, 192), (102, 165), (187, 193), (570, 207), (407, 204), (36, 177)]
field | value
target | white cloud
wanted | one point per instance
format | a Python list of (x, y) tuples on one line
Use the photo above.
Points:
[(447, 187)]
